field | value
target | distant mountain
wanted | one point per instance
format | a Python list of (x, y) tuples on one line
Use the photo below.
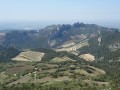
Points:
[(50, 37)]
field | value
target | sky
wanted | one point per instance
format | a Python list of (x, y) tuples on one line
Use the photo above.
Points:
[(60, 11)]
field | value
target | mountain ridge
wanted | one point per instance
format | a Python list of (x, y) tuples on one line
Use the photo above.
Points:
[(49, 37)]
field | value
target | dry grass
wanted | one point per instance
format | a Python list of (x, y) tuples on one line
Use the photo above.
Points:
[(15, 70), (61, 79), (57, 60), (43, 80), (23, 79), (63, 59), (96, 82), (50, 70)]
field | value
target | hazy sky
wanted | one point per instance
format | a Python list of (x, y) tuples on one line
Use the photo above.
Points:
[(60, 10)]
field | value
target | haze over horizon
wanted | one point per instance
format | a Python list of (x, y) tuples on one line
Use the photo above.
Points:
[(40, 13)]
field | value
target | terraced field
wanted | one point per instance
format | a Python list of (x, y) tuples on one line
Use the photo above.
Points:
[(73, 47), (62, 71), (63, 59), (29, 56), (47, 73)]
